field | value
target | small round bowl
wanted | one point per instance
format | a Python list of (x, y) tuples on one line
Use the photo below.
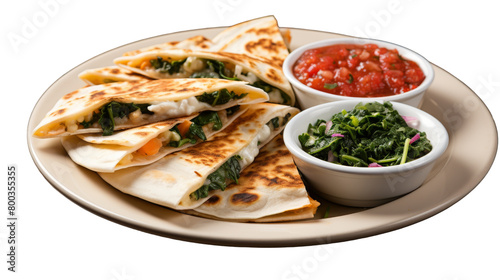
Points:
[(363, 186), (308, 97)]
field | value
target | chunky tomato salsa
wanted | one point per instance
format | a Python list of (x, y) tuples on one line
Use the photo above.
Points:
[(357, 70)]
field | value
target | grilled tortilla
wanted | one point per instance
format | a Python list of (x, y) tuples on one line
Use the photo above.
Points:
[(121, 105), (252, 51), (187, 178), (110, 74), (260, 37), (146, 144), (269, 190)]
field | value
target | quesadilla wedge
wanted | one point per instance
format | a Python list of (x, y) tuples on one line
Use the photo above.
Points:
[(122, 105), (268, 190), (187, 178), (110, 74), (146, 144), (259, 72), (260, 37)]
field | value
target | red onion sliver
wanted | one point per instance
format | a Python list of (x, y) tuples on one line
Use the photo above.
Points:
[(374, 164), (415, 138), (411, 121), (328, 126), (337, 135)]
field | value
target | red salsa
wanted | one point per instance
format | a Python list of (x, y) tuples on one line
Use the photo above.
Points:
[(357, 70)]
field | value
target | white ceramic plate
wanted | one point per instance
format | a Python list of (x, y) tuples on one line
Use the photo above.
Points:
[(455, 174)]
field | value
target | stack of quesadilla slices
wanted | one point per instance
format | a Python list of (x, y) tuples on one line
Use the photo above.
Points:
[(191, 144)]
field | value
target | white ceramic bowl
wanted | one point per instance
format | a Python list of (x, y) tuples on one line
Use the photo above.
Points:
[(308, 97), (363, 186)]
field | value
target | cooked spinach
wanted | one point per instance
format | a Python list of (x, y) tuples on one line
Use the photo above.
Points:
[(164, 66), (218, 180), (275, 122), (263, 86), (219, 97), (216, 69), (207, 117), (205, 74), (232, 110), (286, 118), (196, 128), (184, 140), (370, 133), (220, 68), (106, 114), (268, 88)]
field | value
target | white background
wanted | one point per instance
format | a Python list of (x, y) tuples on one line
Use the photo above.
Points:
[(59, 240)]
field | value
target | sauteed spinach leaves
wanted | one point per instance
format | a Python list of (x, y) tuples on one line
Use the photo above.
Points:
[(372, 134), (219, 97), (216, 69), (164, 66), (196, 128), (106, 114), (228, 172)]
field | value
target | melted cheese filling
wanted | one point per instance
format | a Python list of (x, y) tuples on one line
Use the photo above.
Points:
[(173, 109)]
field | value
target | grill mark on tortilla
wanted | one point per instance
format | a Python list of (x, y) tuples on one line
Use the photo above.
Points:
[(273, 75), (221, 146), (270, 30), (266, 170), (266, 44), (198, 173), (244, 198), (97, 95), (141, 133), (213, 200), (58, 112), (200, 41), (69, 95), (115, 71), (207, 153)]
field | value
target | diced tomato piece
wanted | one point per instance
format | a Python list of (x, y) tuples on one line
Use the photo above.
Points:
[(394, 78), (414, 76)]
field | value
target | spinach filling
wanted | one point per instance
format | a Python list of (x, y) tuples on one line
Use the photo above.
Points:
[(229, 172), (164, 66), (219, 97), (370, 133), (196, 128), (276, 121), (269, 88), (106, 114), (217, 69)]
